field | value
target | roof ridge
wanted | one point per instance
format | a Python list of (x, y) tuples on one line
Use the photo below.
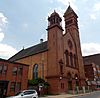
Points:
[(91, 55), (41, 47), (35, 45)]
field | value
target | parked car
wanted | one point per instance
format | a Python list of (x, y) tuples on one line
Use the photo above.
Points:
[(26, 94)]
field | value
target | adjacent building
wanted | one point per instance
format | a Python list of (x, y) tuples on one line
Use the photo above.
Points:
[(13, 77), (58, 60), (92, 70)]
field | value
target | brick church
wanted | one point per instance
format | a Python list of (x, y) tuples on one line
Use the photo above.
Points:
[(58, 60)]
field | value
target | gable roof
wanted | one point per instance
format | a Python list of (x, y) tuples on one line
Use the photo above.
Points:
[(42, 47), (92, 59)]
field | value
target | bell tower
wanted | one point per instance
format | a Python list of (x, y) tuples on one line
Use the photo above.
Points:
[(54, 20), (55, 51), (71, 27), (70, 19)]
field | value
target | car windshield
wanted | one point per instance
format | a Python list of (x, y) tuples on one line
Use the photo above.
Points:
[(18, 93)]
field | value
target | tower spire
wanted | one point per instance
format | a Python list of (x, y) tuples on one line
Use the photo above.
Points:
[(70, 19), (70, 11)]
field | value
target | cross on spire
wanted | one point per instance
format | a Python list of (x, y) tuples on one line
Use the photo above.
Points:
[(69, 3)]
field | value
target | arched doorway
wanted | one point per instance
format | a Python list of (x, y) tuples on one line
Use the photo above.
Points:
[(69, 77), (35, 71)]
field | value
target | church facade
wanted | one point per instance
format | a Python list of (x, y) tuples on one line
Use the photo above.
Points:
[(58, 60)]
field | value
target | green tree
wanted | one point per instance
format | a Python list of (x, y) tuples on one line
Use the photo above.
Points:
[(37, 82)]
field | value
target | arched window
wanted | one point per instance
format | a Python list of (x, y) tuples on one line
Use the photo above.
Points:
[(35, 71), (75, 64), (67, 58), (61, 66), (71, 59)]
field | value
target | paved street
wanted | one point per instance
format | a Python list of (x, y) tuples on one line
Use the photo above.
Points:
[(87, 95), (91, 95)]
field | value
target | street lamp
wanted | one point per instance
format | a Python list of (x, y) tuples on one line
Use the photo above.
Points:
[(76, 78), (77, 89), (60, 78)]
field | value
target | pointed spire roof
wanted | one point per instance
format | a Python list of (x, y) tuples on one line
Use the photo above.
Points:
[(70, 10), (54, 13)]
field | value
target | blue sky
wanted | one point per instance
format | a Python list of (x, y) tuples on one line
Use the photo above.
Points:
[(23, 23)]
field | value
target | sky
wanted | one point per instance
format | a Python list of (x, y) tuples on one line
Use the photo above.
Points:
[(24, 22)]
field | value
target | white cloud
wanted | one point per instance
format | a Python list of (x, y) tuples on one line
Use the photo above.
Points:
[(96, 6), (0, 29), (6, 51), (92, 16), (1, 36), (95, 11), (3, 20), (90, 48)]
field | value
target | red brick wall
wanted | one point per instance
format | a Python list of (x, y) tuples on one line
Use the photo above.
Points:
[(11, 78), (89, 72), (35, 59)]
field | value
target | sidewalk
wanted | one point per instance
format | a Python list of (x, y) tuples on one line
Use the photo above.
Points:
[(64, 95)]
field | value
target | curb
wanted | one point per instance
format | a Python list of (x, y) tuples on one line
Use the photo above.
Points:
[(66, 96)]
